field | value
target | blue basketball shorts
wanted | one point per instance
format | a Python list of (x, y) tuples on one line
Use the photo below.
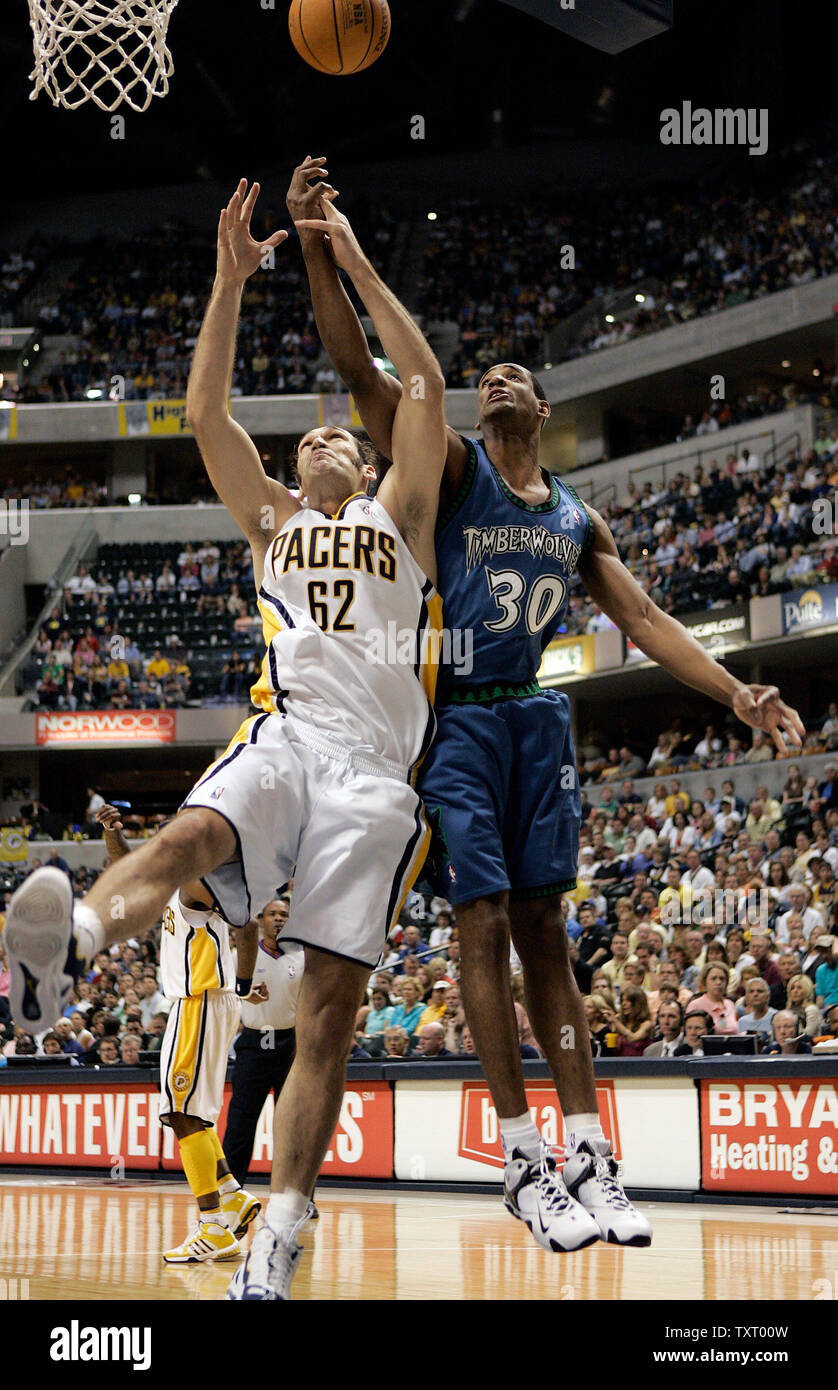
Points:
[(502, 794)]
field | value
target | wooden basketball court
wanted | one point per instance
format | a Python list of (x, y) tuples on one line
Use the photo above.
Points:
[(79, 1239)]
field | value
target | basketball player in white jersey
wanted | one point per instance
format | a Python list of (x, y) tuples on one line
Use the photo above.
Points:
[(321, 782), (198, 977)]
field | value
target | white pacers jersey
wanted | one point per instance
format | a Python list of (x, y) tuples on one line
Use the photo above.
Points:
[(352, 628), (195, 953)]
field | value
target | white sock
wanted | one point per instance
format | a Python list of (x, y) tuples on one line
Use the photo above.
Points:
[(521, 1132), (581, 1127), (228, 1184), (285, 1209), (214, 1214), (88, 931)]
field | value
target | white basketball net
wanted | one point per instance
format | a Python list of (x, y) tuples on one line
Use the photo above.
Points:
[(112, 52)]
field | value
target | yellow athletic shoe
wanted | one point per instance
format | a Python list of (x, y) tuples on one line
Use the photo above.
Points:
[(242, 1208), (209, 1241)]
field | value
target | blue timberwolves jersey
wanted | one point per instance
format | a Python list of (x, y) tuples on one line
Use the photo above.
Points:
[(504, 569)]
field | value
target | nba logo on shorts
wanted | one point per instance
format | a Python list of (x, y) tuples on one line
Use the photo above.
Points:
[(214, 795)]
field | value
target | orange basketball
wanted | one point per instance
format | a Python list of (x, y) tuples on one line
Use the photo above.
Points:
[(339, 36)]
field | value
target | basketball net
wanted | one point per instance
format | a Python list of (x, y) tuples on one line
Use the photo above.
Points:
[(112, 52)]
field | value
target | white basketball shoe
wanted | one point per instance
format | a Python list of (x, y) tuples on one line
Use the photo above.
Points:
[(270, 1266), (591, 1176), (535, 1192)]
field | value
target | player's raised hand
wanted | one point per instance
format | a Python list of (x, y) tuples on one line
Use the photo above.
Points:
[(304, 197), (339, 235), (761, 707), (238, 254), (108, 818)]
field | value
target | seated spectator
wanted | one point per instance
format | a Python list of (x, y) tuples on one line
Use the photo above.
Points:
[(633, 1023), (788, 1035), (713, 985), (614, 967), (432, 1044), (467, 1043), (671, 1029), (375, 1017), (800, 996), (407, 1013), (826, 974), (593, 940), (697, 1025), (107, 1053), (596, 1011), (396, 1042), (758, 1012), (434, 1010), (129, 1050)]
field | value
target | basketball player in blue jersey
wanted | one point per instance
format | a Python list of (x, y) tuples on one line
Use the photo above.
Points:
[(320, 782), (500, 781)]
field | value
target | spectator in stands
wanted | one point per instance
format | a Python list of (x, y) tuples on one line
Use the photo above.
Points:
[(713, 985), (758, 1012), (800, 996), (633, 1023), (697, 1025), (671, 1029), (788, 1035), (107, 1053), (409, 1010), (826, 974), (432, 1044), (593, 941), (396, 1042)]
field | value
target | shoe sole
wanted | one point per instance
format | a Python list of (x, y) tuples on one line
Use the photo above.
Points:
[(202, 1259), (553, 1245), (37, 939), (640, 1241), (246, 1216)]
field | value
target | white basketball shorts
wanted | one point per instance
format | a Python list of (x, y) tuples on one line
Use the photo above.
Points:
[(345, 824), (193, 1055)]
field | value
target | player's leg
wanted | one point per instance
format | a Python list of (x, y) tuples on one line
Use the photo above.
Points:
[(544, 816), (193, 1069), (533, 1189), (305, 1117), (50, 940), (483, 930), (553, 1002)]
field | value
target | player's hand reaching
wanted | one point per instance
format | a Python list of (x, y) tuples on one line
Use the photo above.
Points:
[(258, 995), (238, 254), (304, 198), (108, 817), (339, 235), (761, 707)]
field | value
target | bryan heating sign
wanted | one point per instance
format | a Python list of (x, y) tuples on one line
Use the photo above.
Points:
[(770, 1136)]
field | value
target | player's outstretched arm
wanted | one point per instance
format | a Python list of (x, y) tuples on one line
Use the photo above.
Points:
[(376, 393), (669, 643), (259, 504), (410, 490)]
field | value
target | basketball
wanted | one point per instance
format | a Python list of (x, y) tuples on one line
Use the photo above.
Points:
[(339, 38)]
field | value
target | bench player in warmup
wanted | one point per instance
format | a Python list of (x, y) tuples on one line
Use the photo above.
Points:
[(320, 784), (500, 782), (197, 976)]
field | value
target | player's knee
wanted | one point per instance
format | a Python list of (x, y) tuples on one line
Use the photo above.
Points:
[(194, 842), (484, 931)]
